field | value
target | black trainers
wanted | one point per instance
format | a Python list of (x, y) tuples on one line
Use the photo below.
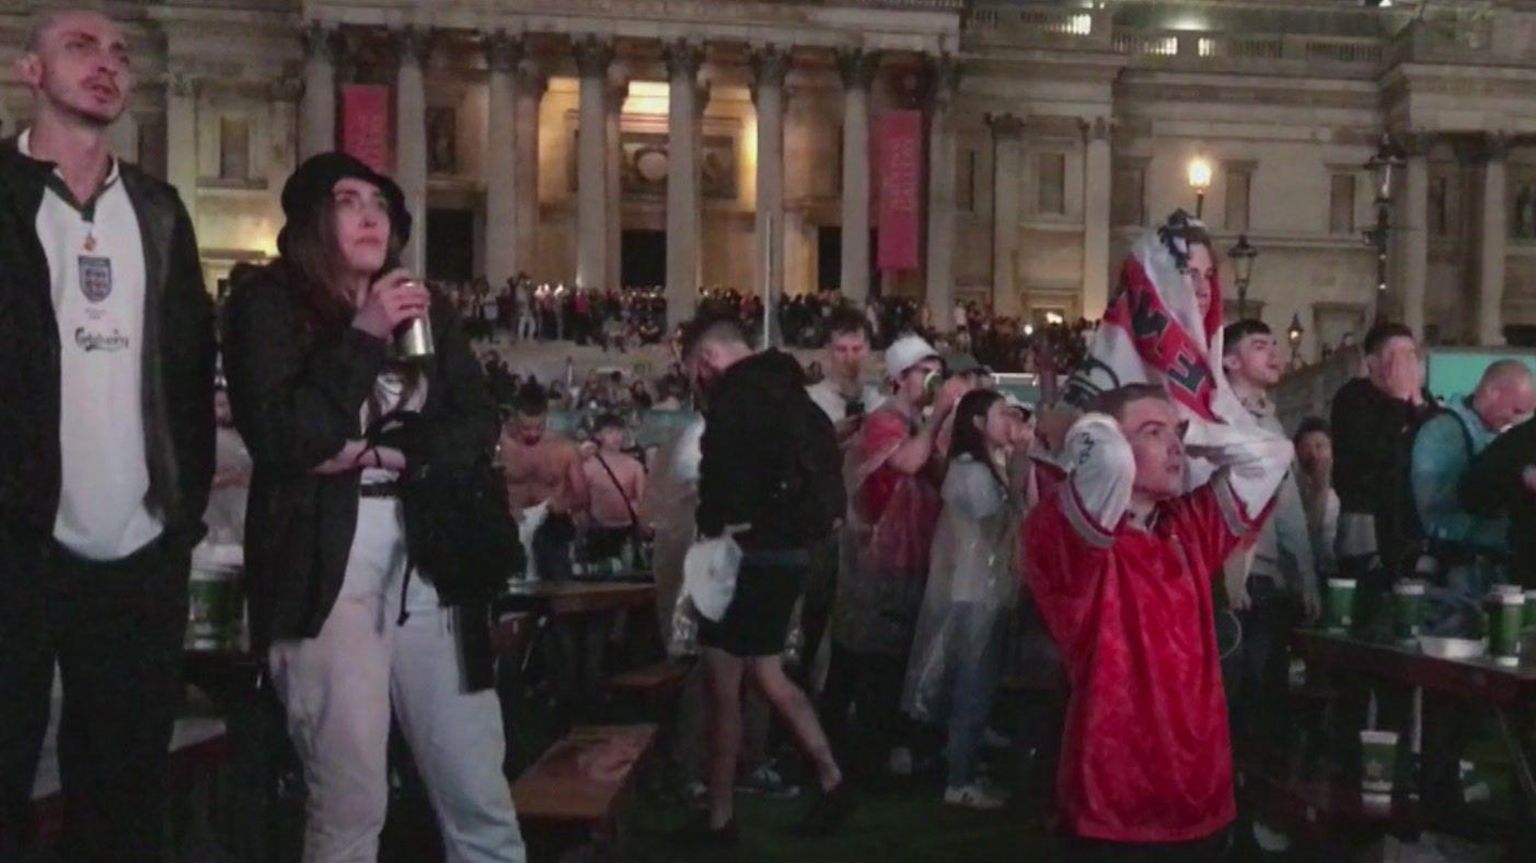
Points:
[(830, 810)]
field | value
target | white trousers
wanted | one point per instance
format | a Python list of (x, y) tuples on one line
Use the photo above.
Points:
[(338, 690)]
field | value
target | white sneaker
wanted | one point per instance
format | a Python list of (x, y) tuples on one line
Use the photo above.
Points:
[(972, 797), (900, 763), (1270, 840)]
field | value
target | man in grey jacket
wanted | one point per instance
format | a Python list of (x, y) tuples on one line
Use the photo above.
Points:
[(1269, 583)]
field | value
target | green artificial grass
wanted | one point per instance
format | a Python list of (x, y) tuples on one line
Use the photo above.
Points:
[(906, 824)]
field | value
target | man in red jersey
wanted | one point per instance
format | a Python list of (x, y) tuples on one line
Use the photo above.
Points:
[(1120, 560)]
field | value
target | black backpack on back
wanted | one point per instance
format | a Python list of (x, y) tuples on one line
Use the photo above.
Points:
[(1413, 527), (807, 491)]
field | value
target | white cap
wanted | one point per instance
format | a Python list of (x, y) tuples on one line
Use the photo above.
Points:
[(906, 352)]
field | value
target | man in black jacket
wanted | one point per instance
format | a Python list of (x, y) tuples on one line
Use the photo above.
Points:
[(106, 452), (1373, 422), (746, 429)]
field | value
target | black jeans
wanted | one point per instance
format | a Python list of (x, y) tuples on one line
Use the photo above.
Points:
[(816, 608), (1372, 620), (1257, 695), (116, 631), (1211, 849), (873, 682)]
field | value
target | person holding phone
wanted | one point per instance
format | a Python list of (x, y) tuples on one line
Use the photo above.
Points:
[(352, 633)]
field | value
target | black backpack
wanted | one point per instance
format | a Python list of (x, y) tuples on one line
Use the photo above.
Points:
[(1413, 528), (807, 492)]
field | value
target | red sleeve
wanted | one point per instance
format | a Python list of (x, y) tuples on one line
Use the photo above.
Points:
[(881, 430), (1063, 568), (1211, 521)]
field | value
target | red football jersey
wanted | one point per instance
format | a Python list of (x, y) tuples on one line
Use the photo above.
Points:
[(1146, 755)]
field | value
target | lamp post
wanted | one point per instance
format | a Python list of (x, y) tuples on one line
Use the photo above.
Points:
[(1200, 181), (1242, 256), (1294, 333), (1385, 166)]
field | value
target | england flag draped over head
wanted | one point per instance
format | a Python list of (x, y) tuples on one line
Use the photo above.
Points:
[(1154, 332)]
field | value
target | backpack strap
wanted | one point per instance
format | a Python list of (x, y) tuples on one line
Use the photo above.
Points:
[(634, 518)]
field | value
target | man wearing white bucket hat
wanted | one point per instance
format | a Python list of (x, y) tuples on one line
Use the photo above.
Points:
[(892, 475)]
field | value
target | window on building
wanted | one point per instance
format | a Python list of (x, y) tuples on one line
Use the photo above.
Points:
[(442, 140), (1439, 206), (234, 148), (152, 145), (1051, 184), (1129, 195), (1239, 182), (965, 181), (1341, 204)]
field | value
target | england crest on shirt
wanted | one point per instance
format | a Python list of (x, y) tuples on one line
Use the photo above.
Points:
[(95, 277)]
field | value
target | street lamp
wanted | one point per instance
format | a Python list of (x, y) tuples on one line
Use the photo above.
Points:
[(1200, 181), (1294, 333), (1242, 256), (1385, 166)]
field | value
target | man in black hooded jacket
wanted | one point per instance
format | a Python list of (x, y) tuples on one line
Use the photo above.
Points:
[(754, 402)]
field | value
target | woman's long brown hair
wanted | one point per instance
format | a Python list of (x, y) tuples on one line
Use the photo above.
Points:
[(311, 248), (312, 251)]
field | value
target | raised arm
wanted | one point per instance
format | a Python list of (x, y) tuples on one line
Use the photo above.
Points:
[(1101, 469), (1255, 461)]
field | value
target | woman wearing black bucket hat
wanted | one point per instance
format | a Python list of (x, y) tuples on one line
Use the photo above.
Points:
[(351, 636)]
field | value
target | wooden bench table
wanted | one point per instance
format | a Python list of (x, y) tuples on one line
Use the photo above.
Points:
[(580, 788)]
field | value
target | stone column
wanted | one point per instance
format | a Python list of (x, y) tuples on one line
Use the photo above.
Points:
[(1411, 226), (530, 93), (1495, 237), (857, 68), (123, 135), (1097, 181), (683, 140), (612, 165), (283, 97), (770, 65), (593, 57), (181, 138), (1007, 159), (317, 129), (502, 53), (943, 82), (415, 47)]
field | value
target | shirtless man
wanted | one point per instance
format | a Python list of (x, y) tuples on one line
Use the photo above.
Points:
[(543, 468), (617, 482)]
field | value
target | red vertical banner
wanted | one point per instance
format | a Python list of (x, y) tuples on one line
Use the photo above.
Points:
[(365, 125), (899, 178)]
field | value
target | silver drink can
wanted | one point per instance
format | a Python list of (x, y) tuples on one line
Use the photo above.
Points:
[(413, 341)]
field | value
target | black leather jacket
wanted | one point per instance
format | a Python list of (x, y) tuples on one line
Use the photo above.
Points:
[(178, 360)]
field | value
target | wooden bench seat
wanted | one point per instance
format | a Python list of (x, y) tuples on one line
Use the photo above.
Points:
[(579, 789)]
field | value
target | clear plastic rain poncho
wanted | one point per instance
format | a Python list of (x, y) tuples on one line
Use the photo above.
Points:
[(973, 589), (671, 497), (886, 541)]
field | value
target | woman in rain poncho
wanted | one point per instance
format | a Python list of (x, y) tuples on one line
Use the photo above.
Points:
[(973, 589)]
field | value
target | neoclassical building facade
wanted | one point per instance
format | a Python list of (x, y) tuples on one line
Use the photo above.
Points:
[(730, 141)]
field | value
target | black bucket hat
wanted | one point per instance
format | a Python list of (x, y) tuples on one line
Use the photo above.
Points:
[(318, 175)]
